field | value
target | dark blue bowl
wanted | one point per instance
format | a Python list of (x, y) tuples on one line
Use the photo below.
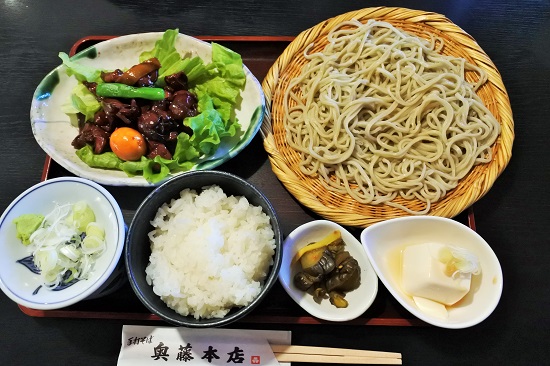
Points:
[(138, 248)]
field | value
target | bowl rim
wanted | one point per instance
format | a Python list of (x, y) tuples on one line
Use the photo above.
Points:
[(236, 314), (93, 287), (478, 318)]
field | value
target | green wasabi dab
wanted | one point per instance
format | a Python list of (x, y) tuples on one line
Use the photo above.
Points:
[(27, 224)]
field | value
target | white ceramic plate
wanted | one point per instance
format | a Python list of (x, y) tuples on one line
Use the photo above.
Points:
[(359, 299), (384, 242), (54, 134), (18, 282)]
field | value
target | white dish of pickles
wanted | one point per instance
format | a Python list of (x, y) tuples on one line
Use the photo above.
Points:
[(345, 289)]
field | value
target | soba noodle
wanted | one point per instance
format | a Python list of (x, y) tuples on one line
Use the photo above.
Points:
[(380, 114)]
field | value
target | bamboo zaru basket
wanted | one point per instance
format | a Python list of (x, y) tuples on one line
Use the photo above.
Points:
[(342, 208)]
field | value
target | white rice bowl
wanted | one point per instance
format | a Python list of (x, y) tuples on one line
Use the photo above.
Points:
[(209, 252)]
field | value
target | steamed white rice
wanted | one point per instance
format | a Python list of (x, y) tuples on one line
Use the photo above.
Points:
[(210, 252)]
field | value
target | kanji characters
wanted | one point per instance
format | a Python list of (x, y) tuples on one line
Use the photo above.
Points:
[(161, 351), (184, 353), (210, 354), (236, 356)]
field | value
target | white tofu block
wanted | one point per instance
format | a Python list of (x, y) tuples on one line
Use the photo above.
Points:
[(423, 275)]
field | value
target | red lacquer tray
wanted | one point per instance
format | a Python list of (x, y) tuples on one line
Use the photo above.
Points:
[(258, 53)]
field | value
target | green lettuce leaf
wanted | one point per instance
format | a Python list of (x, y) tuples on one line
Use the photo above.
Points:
[(223, 82), (229, 64), (192, 67), (185, 153), (133, 168), (106, 160), (84, 101), (164, 49), (81, 100), (224, 106), (165, 52), (206, 127), (71, 112), (155, 170), (80, 72), (171, 61), (152, 171)]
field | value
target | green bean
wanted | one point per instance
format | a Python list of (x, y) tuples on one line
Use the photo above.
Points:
[(125, 91)]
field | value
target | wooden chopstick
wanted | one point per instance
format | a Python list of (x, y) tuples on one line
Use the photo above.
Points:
[(283, 348), (361, 360), (290, 353)]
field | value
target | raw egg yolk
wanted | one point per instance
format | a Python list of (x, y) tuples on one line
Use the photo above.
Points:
[(127, 143)]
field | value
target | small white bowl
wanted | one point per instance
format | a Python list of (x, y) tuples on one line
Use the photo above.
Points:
[(359, 299), (19, 283), (384, 242)]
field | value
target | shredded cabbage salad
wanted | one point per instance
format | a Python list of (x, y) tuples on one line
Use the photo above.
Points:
[(67, 243)]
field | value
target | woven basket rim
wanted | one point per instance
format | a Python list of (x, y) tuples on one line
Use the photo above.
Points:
[(363, 215)]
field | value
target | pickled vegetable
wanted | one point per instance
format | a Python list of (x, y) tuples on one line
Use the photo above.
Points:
[(312, 257), (335, 235), (337, 299), (327, 270)]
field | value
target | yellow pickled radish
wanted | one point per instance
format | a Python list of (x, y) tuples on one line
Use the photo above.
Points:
[(311, 257), (335, 235)]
